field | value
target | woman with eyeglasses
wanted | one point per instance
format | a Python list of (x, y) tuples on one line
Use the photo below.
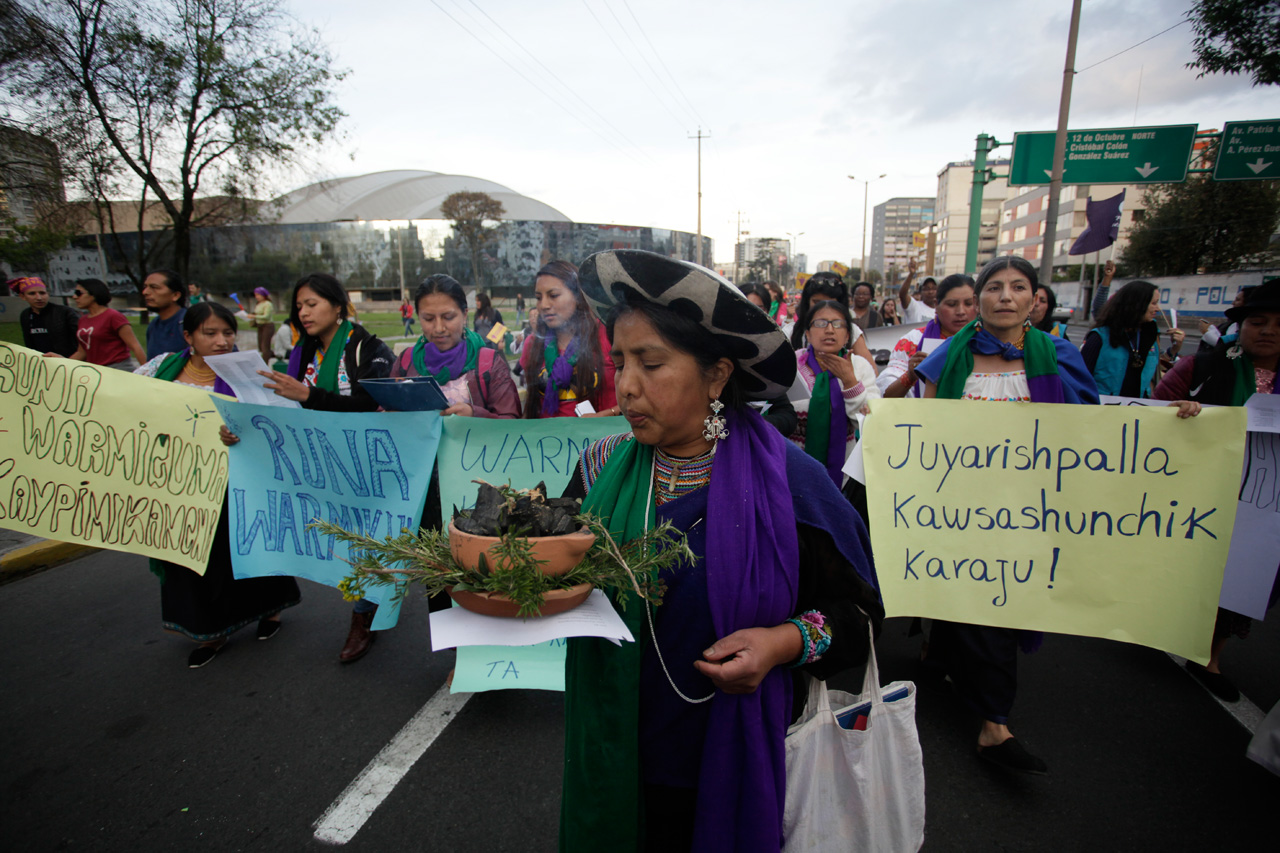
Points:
[(823, 286), (209, 608), (105, 336), (839, 385)]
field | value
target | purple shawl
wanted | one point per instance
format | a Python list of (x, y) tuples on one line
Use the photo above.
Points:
[(752, 580)]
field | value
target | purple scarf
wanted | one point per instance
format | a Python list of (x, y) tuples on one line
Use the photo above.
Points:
[(752, 580), (559, 368), (826, 384)]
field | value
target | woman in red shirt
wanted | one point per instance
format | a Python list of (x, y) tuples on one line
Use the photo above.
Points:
[(566, 359), (105, 336)]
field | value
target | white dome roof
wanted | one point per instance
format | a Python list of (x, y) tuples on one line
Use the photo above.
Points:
[(400, 194)]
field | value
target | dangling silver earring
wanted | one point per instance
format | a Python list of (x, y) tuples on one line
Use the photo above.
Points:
[(714, 424), (1235, 352)]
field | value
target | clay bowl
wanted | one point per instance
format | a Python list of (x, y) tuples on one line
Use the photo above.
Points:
[(557, 554), (497, 604)]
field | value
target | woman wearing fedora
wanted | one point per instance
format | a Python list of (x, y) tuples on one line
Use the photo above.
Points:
[(1228, 375), (675, 742)]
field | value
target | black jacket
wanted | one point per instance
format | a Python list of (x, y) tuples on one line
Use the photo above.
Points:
[(365, 357), (52, 330)]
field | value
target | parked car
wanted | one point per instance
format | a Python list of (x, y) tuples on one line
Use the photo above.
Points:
[(1063, 314)]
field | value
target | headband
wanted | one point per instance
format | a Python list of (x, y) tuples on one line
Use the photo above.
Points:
[(20, 285)]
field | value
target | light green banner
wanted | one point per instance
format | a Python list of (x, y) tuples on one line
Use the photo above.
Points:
[(1103, 521), (522, 453), (105, 458)]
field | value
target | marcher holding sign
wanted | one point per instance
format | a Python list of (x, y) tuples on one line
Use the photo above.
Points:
[(1001, 357), (957, 306), (209, 608), (332, 356), (566, 359), (1228, 375), (677, 740)]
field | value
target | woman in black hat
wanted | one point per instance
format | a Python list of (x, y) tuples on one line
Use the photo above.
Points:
[(1228, 375)]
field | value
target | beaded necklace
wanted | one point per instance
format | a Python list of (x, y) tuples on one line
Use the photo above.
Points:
[(675, 477)]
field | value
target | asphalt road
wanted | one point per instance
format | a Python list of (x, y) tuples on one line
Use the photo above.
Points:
[(111, 743)]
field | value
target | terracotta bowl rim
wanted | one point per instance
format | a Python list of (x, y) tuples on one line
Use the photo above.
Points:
[(582, 532)]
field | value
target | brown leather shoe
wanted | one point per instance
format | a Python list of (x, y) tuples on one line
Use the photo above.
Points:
[(359, 639)]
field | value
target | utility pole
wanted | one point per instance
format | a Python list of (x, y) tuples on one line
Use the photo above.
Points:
[(981, 177), (866, 186), (1059, 151), (700, 136)]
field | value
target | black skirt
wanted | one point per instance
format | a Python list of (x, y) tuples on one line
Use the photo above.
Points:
[(215, 605)]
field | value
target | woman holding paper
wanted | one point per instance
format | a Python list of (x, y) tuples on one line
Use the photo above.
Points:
[(839, 386), (999, 356), (1228, 375), (486, 315), (332, 356), (957, 306), (675, 742), (209, 608), (566, 360), (475, 381)]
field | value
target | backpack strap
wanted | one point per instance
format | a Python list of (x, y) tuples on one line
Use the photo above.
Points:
[(483, 366)]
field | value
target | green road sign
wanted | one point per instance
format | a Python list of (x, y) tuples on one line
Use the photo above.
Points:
[(1106, 155), (1250, 151)]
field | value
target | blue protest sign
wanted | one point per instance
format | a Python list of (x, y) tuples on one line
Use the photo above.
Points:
[(366, 472)]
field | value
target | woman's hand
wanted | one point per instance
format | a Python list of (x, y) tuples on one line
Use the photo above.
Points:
[(228, 437), (915, 361), (1204, 325), (286, 386), (1176, 337), (739, 662), (1187, 408), (1109, 270), (611, 412), (463, 409), (840, 367)]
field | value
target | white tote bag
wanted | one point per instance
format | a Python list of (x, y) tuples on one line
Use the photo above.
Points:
[(851, 790)]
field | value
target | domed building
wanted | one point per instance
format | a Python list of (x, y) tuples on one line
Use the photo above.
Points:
[(380, 234)]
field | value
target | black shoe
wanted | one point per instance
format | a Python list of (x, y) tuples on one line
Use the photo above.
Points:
[(268, 628), (1215, 682), (201, 655), (1012, 756)]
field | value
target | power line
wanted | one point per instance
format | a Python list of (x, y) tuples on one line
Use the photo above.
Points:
[(557, 78), (623, 54), (524, 77), (640, 53), (1130, 47), (664, 64)]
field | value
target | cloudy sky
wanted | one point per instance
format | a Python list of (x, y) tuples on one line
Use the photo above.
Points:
[(587, 105)]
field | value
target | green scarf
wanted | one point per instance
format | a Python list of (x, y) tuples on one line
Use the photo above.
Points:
[(817, 435), (171, 366), (600, 805), (1246, 380), (473, 342), (1040, 360), (327, 376), (773, 309)]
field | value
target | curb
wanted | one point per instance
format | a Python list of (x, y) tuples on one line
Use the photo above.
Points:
[(39, 555)]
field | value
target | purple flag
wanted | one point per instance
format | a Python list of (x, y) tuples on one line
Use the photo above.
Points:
[(1103, 227)]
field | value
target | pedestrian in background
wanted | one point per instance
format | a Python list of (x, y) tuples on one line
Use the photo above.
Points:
[(164, 294), (918, 308), (863, 311), (778, 309), (1042, 313), (104, 334), (519, 307), (332, 356), (194, 294), (263, 321), (1122, 349), (566, 361), (486, 315), (406, 315), (889, 312), (957, 306), (46, 328), (998, 357)]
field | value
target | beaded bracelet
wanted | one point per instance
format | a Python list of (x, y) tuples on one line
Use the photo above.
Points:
[(817, 639)]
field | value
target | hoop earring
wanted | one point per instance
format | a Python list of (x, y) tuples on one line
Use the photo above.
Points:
[(713, 425)]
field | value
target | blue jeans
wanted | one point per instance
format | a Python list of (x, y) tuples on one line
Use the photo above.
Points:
[(364, 605)]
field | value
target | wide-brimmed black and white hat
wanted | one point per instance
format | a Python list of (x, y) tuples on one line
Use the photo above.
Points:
[(766, 364)]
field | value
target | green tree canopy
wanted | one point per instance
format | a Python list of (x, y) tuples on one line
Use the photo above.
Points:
[(1237, 37), (469, 212)]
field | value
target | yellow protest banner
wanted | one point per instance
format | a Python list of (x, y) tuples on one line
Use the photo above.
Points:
[(101, 457), (802, 278), (841, 269), (1102, 521)]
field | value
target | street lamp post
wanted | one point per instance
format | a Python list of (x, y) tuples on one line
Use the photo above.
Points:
[(791, 249), (866, 186)]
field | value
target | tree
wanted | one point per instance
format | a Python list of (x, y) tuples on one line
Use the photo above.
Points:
[(163, 101), (1236, 37), (1202, 224), (469, 212)]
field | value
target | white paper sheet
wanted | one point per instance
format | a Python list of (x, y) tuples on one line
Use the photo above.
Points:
[(584, 408), (799, 391), (1264, 412), (853, 466), (1255, 539), (595, 617), (928, 345), (240, 371)]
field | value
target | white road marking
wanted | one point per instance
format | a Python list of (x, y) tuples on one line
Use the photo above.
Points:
[(342, 820), (1245, 712)]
